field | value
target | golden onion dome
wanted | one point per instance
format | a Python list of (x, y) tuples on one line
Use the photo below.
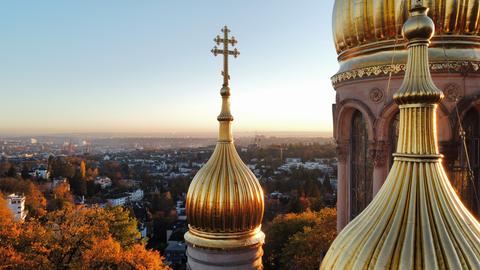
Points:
[(225, 201), (416, 220), (367, 32)]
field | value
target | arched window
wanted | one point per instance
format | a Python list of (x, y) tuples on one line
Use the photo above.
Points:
[(393, 135), (468, 188), (361, 169)]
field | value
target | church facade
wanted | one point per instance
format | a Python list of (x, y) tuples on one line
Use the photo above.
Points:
[(372, 56)]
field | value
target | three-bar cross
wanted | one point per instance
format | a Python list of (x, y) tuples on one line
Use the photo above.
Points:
[(226, 41)]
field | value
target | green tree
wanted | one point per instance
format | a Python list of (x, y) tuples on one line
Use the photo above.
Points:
[(123, 227)]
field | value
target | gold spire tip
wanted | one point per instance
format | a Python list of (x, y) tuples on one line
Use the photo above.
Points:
[(418, 86), (225, 116)]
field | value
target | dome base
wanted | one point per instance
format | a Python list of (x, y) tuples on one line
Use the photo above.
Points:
[(248, 258), (224, 241)]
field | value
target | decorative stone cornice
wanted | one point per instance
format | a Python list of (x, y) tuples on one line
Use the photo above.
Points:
[(399, 69)]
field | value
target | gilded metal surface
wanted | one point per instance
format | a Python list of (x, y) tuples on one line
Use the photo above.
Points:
[(416, 221), (224, 241), (366, 32), (225, 201)]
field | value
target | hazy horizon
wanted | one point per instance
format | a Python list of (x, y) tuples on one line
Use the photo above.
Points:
[(145, 67), (285, 134)]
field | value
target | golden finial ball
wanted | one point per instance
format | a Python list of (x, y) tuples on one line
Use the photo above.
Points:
[(419, 25)]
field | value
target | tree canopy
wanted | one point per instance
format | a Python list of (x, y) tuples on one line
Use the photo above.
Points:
[(74, 237), (298, 241)]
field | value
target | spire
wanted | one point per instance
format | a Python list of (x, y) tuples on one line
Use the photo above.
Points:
[(225, 118), (418, 86), (416, 221)]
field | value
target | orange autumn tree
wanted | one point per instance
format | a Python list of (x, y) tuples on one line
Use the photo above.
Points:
[(305, 249), (75, 238), (9, 231)]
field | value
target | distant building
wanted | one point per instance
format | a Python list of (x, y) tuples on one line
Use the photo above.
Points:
[(131, 183), (293, 160), (142, 229), (175, 253), (57, 181), (16, 204), (180, 208), (41, 172), (184, 170), (103, 182), (119, 200), (136, 195)]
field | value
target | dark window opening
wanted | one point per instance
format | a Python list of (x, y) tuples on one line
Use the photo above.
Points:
[(467, 188), (361, 170)]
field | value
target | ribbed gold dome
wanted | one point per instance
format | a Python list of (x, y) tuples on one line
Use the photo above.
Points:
[(367, 31), (225, 201)]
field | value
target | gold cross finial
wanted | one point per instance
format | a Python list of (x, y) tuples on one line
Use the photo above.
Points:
[(225, 51)]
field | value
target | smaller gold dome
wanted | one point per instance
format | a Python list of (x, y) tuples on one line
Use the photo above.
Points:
[(225, 200)]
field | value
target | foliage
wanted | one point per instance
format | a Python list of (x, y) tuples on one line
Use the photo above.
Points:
[(61, 167), (12, 172), (83, 169), (107, 254), (61, 198), (123, 227), (35, 201), (78, 184), (305, 249), (285, 232), (74, 238)]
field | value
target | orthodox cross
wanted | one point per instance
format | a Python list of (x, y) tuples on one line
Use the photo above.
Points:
[(226, 41)]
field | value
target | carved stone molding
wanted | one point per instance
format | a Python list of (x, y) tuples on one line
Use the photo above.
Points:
[(384, 70)]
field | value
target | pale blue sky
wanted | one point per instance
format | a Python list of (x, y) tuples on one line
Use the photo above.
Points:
[(145, 66)]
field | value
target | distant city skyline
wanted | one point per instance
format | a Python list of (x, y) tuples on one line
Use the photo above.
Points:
[(145, 67)]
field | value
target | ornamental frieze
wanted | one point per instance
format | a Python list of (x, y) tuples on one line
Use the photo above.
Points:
[(384, 70)]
